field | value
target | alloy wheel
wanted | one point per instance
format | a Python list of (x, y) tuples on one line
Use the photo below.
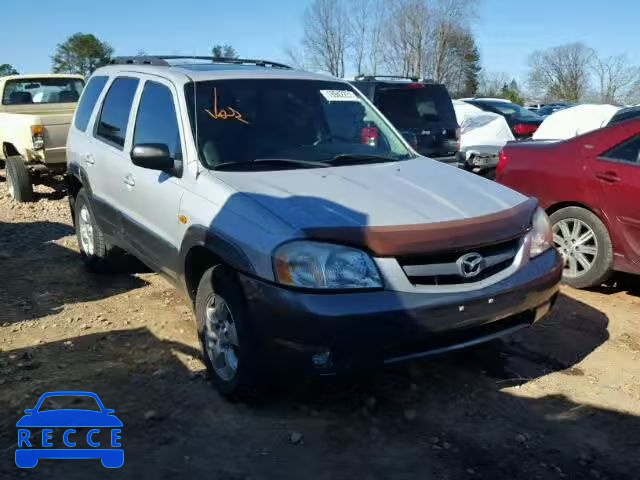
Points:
[(221, 338), (85, 228), (577, 243)]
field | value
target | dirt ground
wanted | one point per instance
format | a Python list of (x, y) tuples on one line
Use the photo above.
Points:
[(559, 400)]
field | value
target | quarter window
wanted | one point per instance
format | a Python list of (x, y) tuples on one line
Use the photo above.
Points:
[(114, 116), (88, 101), (156, 121), (628, 151)]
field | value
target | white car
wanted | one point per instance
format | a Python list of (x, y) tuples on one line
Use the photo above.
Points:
[(574, 121), (482, 136)]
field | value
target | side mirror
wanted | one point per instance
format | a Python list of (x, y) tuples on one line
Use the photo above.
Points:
[(154, 156), (109, 411), (28, 411)]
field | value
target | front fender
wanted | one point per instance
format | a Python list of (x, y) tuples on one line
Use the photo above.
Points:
[(219, 245)]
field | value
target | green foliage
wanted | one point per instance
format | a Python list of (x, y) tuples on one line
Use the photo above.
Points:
[(81, 53), (224, 51), (514, 96), (510, 91), (472, 68), (6, 69)]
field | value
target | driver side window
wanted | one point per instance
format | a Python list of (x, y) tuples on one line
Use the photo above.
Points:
[(156, 121)]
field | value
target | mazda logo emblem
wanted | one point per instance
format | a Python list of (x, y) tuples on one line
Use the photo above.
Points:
[(470, 265)]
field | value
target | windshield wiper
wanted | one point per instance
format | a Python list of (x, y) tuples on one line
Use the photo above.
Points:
[(306, 163), (356, 159)]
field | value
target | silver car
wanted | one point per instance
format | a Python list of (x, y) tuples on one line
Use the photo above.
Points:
[(305, 231)]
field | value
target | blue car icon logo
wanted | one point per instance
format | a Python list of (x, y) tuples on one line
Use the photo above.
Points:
[(69, 424)]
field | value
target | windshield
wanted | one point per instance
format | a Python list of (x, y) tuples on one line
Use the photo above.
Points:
[(241, 121), (30, 91), (514, 110), (410, 107)]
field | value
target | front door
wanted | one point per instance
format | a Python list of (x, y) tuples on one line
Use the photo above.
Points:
[(618, 174), (151, 221)]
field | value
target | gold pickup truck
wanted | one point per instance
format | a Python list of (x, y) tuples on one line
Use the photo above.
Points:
[(35, 114)]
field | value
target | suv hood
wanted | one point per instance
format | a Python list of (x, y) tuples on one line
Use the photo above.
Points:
[(418, 191)]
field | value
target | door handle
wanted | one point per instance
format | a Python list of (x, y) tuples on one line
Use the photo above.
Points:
[(608, 177), (90, 160), (129, 181)]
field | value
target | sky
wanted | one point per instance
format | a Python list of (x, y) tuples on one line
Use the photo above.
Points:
[(507, 31)]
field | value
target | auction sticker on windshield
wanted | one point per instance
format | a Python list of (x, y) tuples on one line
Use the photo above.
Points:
[(339, 95)]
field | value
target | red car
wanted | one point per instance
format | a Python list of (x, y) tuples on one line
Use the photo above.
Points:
[(590, 187)]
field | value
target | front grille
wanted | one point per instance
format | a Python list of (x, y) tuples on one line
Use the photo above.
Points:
[(442, 268)]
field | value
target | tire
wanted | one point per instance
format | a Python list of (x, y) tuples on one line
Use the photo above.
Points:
[(95, 250), (218, 288), (18, 180), (597, 250)]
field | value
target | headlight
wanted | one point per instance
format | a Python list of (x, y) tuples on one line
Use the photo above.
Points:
[(541, 234), (324, 266)]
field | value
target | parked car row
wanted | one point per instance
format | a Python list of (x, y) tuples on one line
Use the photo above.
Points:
[(300, 217)]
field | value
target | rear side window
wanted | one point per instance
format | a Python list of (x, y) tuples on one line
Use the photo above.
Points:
[(417, 106), (628, 151), (114, 116), (156, 121), (88, 101)]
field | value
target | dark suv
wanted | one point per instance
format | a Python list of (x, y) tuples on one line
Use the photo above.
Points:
[(421, 110)]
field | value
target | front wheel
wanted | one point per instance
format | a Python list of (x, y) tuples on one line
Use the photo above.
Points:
[(585, 245), (228, 343)]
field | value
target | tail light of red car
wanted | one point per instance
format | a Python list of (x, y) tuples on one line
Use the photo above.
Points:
[(502, 162), (524, 129), (369, 136)]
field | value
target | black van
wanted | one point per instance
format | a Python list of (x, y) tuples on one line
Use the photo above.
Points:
[(421, 110)]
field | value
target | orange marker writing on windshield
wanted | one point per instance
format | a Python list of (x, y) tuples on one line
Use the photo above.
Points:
[(225, 113)]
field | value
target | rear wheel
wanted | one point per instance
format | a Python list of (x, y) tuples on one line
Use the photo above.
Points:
[(96, 252), (18, 179), (584, 243)]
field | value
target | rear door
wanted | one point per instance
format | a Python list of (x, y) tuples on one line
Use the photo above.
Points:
[(109, 158), (422, 109), (618, 175)]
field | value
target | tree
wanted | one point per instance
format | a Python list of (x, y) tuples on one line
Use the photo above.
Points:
[(461, 66), (449, 18), (6, 69), (616, 81), (492, 84), (81, 53), (407, 34), (358, 31), (224, 51), (561, 73), (326, 32), (472, 68)]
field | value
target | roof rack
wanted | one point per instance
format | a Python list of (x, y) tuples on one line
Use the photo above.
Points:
[(398, 77), (163, 60)]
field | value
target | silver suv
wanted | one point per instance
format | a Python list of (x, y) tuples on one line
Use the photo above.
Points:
[(308, 235)]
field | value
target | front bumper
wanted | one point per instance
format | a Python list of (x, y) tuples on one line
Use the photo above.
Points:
[(352, 331)]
